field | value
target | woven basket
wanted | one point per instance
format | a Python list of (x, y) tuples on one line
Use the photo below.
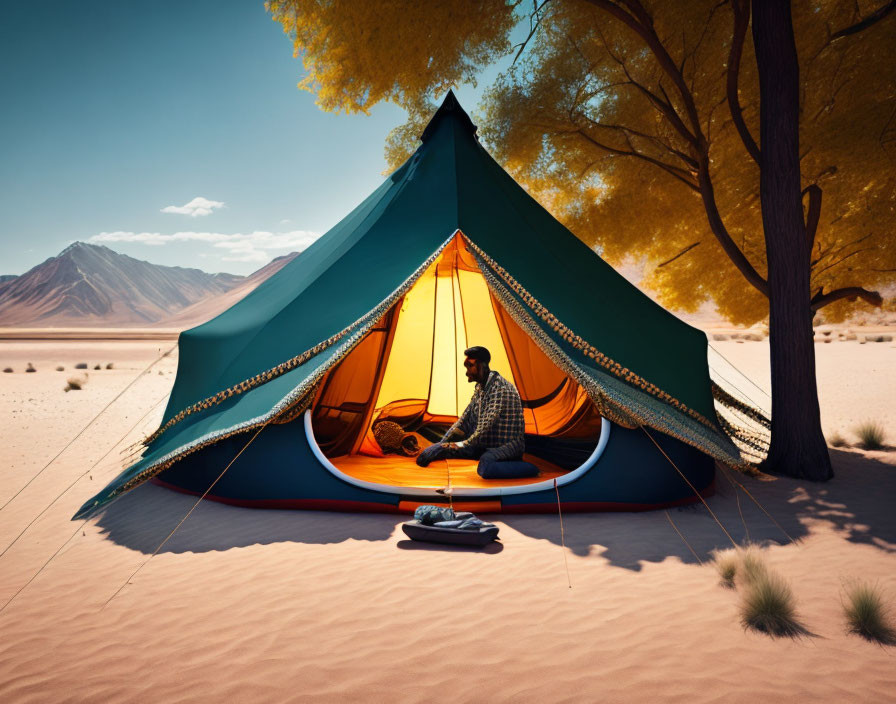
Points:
[(392, 439)]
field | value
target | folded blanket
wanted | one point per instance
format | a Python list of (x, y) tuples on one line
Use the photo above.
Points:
[(428, 515), (469, 523)]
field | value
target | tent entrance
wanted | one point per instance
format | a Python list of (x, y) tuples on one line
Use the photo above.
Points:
[(408, 370)]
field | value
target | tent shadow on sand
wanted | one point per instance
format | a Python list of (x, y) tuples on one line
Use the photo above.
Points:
[(141, 519), (858, 503)]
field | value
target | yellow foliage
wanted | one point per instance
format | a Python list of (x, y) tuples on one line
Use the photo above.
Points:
[(359, 53), (566, 118)]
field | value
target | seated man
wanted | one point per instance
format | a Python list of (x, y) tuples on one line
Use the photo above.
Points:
[(492, 423)]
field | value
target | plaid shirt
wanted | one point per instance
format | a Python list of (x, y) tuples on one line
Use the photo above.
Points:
[(493, 419)]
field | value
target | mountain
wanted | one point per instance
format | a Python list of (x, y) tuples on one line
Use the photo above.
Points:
[(7, 277), (208, 308), (91, 285)]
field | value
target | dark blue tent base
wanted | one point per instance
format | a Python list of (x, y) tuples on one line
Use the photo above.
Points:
[(409, 506), (280, 471)]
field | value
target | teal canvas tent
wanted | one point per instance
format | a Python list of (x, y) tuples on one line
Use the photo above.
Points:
[(312, 355)]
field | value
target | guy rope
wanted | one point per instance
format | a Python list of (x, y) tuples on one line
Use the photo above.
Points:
[(92, 421)]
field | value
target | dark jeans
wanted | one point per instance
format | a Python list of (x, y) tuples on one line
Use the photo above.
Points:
[(490, 467)]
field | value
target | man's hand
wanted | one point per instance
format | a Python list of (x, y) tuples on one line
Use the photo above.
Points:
[(449, 445)]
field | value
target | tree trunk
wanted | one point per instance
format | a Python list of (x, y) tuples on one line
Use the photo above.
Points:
[(798, 448)]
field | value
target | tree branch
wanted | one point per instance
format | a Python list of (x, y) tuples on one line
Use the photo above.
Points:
[(684, 176), (864, 24), (639, 21), (533, 28), (717, 225), (841, 260), (741, 24), (690, 161), (664, 107), (680, 254), (814, 212), (642, 24), (820, 300), (833, 250)]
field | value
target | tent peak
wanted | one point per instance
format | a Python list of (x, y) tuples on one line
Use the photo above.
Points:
[(449, 109)]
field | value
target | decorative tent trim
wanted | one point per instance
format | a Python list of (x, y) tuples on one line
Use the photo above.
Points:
[(293, 404), (581, 344), (300, 359), (614, 398)]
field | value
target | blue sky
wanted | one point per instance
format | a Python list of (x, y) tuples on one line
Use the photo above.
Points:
[(115, 111)]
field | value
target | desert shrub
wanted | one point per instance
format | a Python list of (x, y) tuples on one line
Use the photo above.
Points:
[(719, 338), (81, 365), (76, 383), (871, 435), (866, 615), (109, 365), (60, 368), (98, 367), (7, 370), (752, 565), (30, 368), (768, 605), (836, 439), (879, 338), (726, 565)]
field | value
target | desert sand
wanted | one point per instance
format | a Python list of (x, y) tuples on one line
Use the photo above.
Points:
[(260, 606)]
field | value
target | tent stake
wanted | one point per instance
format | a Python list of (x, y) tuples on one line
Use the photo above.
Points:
[(562, 535)]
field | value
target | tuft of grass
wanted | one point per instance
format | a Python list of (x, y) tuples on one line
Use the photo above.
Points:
[(109, 365), (60, 368), (81, 365), (768, 606), (866, 615), (871, 435), (30, 368), (837, 440), (98, 367), (752, 565), (76, 383), (726, 565), (7, 370)]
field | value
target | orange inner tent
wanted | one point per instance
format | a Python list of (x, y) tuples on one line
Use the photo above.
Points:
[(409, 369)]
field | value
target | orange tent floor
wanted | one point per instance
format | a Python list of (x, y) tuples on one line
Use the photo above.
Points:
[(396, 470)]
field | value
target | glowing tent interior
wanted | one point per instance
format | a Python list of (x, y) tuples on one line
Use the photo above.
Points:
[(369, 324), (408, 369)]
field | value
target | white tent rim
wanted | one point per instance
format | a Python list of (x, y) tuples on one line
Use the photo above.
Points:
[(567, 478)]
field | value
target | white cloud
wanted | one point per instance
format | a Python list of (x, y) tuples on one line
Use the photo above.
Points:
[(195, 208), (239, 247)]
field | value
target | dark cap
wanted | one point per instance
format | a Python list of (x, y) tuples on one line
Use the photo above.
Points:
[(479, 353)]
